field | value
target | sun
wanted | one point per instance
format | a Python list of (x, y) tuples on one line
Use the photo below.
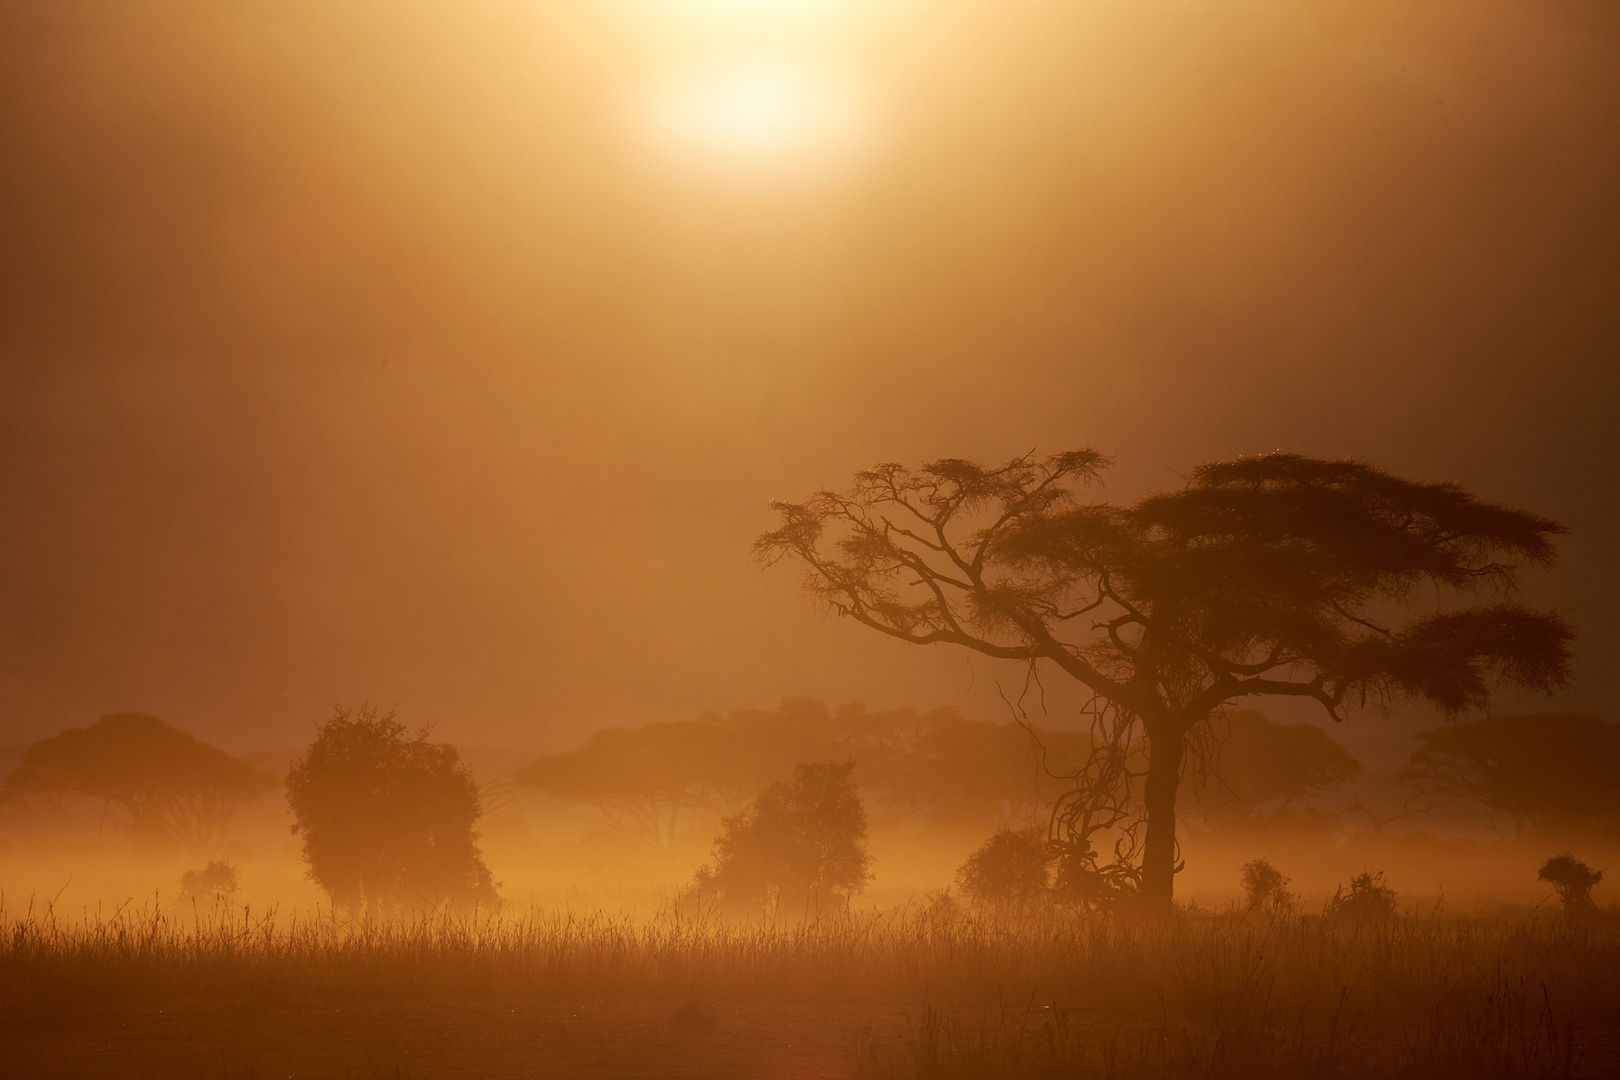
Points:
[(762, 112)]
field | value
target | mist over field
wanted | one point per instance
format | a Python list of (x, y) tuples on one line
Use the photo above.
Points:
[(802, 523)]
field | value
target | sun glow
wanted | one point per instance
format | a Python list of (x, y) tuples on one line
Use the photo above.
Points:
[(762, 113)]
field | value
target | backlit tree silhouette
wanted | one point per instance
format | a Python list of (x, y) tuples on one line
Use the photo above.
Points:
[(1273, 576)]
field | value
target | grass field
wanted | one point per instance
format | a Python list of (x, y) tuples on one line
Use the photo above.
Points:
[(899, 993)]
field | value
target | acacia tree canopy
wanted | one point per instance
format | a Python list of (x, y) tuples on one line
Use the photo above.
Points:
[(1553, 772), (386, 815), (177, 790), (1262, 767), (1279, 575)]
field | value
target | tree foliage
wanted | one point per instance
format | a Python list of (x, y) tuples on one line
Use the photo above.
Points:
[(177, 791), (1552, 772), (799, 840), (1278, 575), (386, 815)]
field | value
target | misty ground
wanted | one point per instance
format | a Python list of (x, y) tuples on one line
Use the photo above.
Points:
[(110, 971), (327, 1010)]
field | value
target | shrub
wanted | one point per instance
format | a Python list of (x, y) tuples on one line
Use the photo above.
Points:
[(214, 883), (1368, 900), (1265, 889), (1012, 870), (1572, 879)]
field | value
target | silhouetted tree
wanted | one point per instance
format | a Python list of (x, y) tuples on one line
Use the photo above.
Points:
[(1551, 772), (799, 839), (1261, 769), (1572, 879), (177, 790), (1273, 575), (949, 771), (387, 816), (1011, 871)]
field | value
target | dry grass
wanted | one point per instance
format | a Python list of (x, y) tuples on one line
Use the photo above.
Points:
[(1422, 995)]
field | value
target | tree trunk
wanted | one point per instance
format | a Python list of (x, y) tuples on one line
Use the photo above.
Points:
[(1159, 798)]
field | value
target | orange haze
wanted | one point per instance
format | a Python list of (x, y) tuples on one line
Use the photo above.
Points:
[(380, 351)]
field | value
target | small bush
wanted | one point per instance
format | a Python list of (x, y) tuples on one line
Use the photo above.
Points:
[(1265, 889), (214, 883), (1572, 879), (1368, 900)]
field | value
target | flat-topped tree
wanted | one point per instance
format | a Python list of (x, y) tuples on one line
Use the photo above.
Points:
[(178, 791), (1272, 576)]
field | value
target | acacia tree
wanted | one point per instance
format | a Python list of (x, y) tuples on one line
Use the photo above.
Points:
[(649, 779), (177, 790), (1261, 770), (1550, 772), (1278, 575)]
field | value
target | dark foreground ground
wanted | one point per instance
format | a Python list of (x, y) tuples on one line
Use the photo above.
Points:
[(506, 1039), (462, 1040)]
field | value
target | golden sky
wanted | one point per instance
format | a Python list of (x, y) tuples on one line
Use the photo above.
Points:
[(446, 354)]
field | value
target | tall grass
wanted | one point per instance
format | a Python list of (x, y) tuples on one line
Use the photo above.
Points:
[(1060, 995)]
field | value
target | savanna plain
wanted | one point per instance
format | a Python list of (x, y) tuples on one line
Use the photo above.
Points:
[(890, 993)]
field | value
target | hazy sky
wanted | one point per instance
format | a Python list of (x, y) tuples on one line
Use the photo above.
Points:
[(446, 354)]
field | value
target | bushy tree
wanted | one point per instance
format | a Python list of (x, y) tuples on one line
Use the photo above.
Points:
[(1265, 889), (1011, 871), (1572, 879), (800, 840), (1279, 575), (177, 791), (386, 815), (1550, 772)]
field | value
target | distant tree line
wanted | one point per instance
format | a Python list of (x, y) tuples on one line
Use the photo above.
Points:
[(935, 769), (938, 768), (388, 816)]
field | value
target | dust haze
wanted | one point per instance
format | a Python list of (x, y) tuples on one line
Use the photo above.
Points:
[(441, 363)]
